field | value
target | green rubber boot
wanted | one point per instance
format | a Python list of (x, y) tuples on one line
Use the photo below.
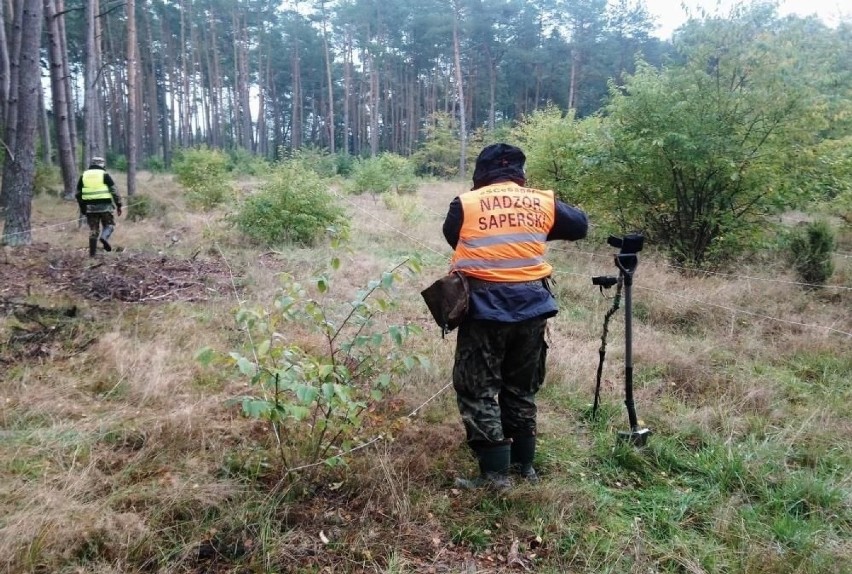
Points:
[(93, 246), (523, 453), (493, 469)]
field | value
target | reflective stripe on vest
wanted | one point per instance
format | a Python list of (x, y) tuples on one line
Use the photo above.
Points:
[(504, 233), (94, 187)]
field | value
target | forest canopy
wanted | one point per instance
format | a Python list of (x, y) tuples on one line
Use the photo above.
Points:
[(748, 111)]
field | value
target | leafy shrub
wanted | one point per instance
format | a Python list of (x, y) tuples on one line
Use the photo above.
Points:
[(141, 207), (381, 174), (317, 160), (203, 172), (439, 154), (48, 180), (294, 205), (562, 155), (243, 162), (400, 171), (345, 164), (811, 249), (154, 163), (408, 207), (367, 176), (315, 398), (116, 161)]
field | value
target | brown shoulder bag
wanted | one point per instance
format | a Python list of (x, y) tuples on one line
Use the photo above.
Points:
[(448, 299)]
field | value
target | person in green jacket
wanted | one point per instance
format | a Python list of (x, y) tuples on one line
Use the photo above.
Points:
[(97, 197)]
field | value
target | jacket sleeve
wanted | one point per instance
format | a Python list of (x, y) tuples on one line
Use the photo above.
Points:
[(453, 222), (570, 223), (110, 183), (79, 195)]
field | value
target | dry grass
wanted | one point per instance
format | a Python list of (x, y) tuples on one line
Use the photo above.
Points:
[(122, 455)]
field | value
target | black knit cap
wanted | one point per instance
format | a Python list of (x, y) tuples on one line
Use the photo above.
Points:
[(498, 163)]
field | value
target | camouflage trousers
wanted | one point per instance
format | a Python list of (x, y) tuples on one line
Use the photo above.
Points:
[(499, 368), (96, 220)]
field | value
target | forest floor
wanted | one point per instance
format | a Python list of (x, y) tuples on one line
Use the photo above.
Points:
[(42, 272), (121, 452)]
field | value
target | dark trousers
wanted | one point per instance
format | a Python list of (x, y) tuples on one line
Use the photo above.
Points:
[(97, 221), (499, 368)]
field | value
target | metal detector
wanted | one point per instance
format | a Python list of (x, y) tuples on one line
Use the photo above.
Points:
[(626, 260)]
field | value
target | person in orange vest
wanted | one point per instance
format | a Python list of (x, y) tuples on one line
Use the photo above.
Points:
[(498, 231), (96, 195)]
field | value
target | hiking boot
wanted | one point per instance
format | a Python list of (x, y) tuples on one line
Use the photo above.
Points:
[(105, 243), (523, 453)]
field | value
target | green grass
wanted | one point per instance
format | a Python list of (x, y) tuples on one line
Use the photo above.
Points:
[(121, 453)]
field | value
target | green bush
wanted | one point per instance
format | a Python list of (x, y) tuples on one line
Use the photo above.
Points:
[(317, 160), (367, 176), (294, 205), (141, 207), (315, 398), (562, 155), (203, 172), (48, 180), (345, 164), (439, 154), (243, 162), (116, 161), (811, 249), (400, 171), (381, 174), (154, 163)]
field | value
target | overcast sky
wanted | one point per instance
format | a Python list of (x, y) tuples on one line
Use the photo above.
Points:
[(670, 15)]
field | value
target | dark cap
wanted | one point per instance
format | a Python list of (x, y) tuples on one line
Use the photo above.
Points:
[(499, 162)]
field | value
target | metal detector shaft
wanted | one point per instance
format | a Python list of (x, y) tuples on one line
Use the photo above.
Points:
[(627, 263), (628, 351)]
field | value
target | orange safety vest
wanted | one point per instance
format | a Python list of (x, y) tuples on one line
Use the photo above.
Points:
[(504, 233)]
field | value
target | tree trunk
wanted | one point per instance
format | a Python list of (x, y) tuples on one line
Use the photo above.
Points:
[(5, 66), (113, 103), (328, 80), (173, 106), (11, 117), (264, 72), (90, 106), (572, 86), (492, 92), (184, 96), (462, 119), (296, 130), (347, 91), (44, 131), (66, 79), (374, 107), (19, 165), (206, 72), (195, 119), (150, 103), (242, 87), (98, 123), (131, 97), (215, 87), (64, 144)]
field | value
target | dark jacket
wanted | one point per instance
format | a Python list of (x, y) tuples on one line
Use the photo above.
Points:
[(508, 302)]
